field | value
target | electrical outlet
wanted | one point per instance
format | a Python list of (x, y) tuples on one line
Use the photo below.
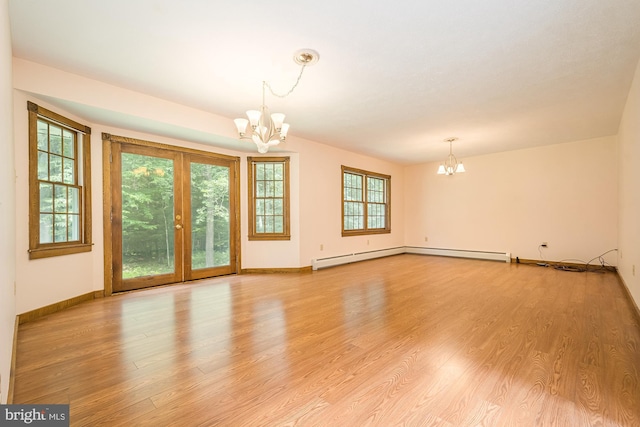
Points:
[(426, 239), (633, 269), (321, 247)]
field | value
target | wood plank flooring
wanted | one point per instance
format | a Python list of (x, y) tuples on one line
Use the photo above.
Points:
[(407, 340)]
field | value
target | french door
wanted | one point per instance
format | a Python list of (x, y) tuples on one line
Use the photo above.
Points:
[(173, 215)]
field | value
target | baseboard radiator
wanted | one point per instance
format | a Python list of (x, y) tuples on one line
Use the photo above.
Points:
[(362, 256), (492, 256)]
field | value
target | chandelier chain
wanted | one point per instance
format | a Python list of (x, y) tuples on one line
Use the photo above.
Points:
[(267, 129), (290, 90)]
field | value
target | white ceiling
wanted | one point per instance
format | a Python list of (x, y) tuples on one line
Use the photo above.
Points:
[(395, 77)]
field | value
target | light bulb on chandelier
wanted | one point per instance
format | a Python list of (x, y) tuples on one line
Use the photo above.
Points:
[(268, 130), (451, 165)]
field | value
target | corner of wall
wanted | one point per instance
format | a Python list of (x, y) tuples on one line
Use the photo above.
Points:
[(7, 206), (628, 190)]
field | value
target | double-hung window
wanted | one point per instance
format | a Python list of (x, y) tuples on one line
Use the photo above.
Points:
[(59, 184), (366, 202), (268, 198)]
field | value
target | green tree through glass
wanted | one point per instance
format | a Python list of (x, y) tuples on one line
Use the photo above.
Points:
[(210, 215), (147, 216)]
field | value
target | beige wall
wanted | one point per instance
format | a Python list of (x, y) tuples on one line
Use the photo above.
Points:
[(563, 194), (315, 168), (629, 201), (321, 203), (7, 212)]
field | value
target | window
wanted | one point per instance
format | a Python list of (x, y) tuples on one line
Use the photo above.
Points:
[(59, 185), (268, 198), (366, 204)]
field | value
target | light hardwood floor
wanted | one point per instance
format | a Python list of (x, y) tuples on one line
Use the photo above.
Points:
[(406, 340)]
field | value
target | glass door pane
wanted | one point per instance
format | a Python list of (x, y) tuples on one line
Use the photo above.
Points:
[(210, 216), (210, 230), (147, 216)]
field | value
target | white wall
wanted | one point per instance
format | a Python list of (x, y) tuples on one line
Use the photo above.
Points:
[(564, 194), (629, 201), (7, 212)]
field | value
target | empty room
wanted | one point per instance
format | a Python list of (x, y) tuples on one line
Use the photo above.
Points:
[(320, 213)]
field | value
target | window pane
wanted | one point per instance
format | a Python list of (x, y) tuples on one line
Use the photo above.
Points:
[(68, 145), (260, 207), (279, 223), (376, 216), (60, 199), (74, 200), (55, 139), (278, 207), (353, 216), (269, 190), (268, 207), (74, 228), (260, 189), (46, 228), (375, 191), (353, 187), (43, 166), (69, 171), (279, 189), (268, 224), (55, 168), (43, 136), (268, 171), (60, 228), (46, 197), (259, 224), (278, 170), (259, 171)]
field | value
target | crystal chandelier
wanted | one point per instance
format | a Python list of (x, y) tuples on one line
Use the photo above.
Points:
[(268, 129), (451, 165)]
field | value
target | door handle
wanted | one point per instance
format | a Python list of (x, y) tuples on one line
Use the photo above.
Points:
[(178, 226)]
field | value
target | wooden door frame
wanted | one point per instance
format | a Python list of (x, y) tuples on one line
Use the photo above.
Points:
[(107, 141)]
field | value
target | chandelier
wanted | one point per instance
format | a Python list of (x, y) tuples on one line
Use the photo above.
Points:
[(268, 129), (451, 165)]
